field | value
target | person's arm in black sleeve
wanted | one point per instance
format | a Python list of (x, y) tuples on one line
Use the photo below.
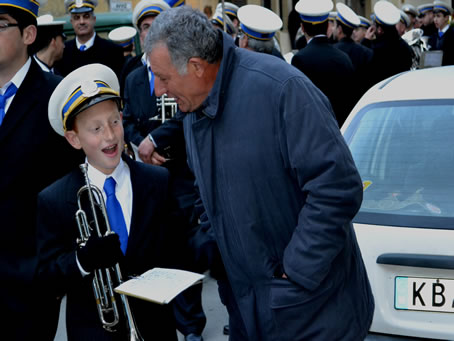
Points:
[(130, 127)]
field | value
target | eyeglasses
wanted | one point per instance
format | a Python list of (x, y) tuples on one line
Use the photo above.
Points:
[(5, 25)]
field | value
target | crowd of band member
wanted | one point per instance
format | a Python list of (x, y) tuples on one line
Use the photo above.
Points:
[(167, 220)]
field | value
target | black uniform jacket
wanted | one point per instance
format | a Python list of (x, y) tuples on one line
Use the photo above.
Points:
[(139, 113), (361, 57), (331, 70), (153, 242), (446, 44), (33, 156), (392, 55), (130, 65), (103, 51)]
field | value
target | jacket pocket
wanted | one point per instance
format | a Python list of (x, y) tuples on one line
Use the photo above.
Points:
[(295, 308)]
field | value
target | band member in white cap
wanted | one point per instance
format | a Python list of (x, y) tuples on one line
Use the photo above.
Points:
[(360, 32), (258, 28), (321, 61), (412, 14), (223, 22), (86, 108), (403, 24), (231, 11), (426, 14), (360, 55), (29, 149), (124, 37), (260, 135), (444, 39), (50, 42), (87, 47), (142, 17), (392, 54)]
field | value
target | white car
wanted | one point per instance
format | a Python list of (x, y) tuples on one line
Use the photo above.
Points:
[(401, 135)]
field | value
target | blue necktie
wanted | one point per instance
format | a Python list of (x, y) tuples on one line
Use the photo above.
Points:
[(82, 47), (440, 34), (151, 80), (115, 214), (11, 91)]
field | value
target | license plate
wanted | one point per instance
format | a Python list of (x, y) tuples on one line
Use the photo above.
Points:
[(424, 294)]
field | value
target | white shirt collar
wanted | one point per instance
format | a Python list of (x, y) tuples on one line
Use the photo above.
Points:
[(43, 66), (318, 35), (98, 178), (88, 44), (144, 60), (444, 29), (18, 77)]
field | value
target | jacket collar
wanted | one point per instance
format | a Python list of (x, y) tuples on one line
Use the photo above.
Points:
[(24, 101), (211, 106)]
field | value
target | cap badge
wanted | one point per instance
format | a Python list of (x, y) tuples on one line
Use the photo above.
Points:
[(79, 3), (89, 88)]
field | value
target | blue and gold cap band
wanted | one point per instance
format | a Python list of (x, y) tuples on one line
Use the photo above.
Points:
[(126, 43), (378, 21), (257, 35), (344, 21), (175, 3), (314, 20), (82, 4), (364, 23), (438, 8), (426, 9), (155, 9), (220, 21), (29, 6), (231, 12), (79, 96)]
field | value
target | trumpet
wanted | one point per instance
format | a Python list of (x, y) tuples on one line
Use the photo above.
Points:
[(103, 283), (167, 106)]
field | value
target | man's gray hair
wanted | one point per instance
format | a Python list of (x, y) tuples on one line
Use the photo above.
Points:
[(186, 33), (263, 46)]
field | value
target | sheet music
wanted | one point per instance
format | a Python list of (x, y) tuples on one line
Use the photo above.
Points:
[(159, 285)]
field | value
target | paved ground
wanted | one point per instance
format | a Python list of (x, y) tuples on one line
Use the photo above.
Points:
[(216, 314)]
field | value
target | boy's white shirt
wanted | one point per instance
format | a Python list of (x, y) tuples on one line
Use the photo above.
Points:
[(123, 191)]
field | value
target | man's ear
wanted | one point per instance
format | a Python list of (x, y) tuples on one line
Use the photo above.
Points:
[(243, 42), (29, 34), (73, 139), (198, 65), (379, 29), (53, 42)]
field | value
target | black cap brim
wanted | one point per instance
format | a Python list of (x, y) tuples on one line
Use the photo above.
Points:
[(89, 103)]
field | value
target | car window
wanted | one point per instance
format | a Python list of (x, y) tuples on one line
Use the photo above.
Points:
[(405, 155)]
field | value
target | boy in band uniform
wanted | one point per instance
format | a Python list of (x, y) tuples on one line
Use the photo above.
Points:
[(86, 109)]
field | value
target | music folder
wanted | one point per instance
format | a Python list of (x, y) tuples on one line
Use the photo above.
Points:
[(159, 285)]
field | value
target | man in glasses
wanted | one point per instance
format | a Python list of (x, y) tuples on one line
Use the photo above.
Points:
[(28, 145)]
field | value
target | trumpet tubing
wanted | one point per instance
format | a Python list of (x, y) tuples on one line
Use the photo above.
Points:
[(168, 107), (103, 283)]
